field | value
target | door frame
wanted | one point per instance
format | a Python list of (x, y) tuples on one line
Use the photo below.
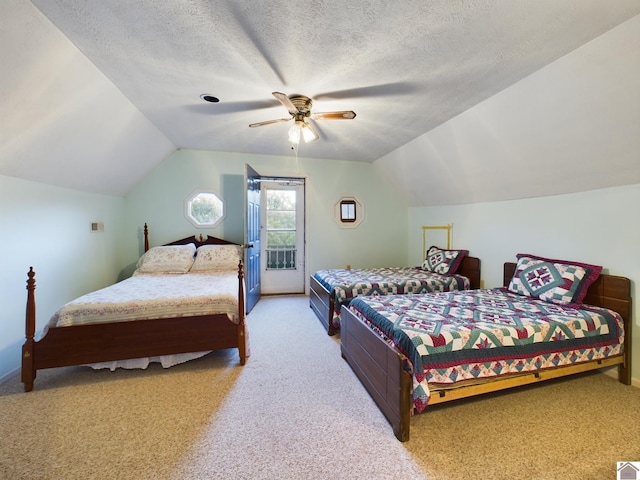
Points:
[(301, 182)]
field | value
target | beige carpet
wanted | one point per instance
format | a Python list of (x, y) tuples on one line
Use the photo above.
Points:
[(296, 411)]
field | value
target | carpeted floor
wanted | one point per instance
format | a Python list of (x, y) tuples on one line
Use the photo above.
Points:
[(297, 411)]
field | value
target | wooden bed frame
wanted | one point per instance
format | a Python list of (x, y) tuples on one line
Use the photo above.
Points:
[(323, 303), (93, 343), (380, 366)]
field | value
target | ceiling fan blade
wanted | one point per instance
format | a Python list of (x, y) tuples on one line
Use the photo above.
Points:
[(284, 100), (395, 88), (269, 122), (341, 115)]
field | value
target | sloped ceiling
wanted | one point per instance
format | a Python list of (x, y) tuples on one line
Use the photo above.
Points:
[(94, 94)]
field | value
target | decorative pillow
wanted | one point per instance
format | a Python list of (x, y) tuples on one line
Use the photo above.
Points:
[(167, 259), (445, 262), (216, 258), (556, 281)]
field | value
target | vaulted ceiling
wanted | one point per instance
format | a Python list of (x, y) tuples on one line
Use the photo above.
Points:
[(97, 84)]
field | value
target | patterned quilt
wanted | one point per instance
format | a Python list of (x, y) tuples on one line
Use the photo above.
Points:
[(345, 285), (152, 296), (455, 336)]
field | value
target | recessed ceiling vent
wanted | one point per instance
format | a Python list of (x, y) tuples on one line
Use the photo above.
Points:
[(209, 98)]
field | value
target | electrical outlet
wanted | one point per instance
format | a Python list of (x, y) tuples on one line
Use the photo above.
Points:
[(481, 283), (97, 227), (348, 266)]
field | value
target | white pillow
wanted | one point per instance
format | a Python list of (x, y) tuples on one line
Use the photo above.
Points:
[(216, 258), (167, 259)]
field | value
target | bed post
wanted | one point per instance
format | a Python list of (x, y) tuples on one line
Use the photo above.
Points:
[(28, 371), (146, 238), (242, 332), (624, 369)]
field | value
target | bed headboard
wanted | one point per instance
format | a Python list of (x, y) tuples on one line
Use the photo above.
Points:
[(198, 240), (470, 268)]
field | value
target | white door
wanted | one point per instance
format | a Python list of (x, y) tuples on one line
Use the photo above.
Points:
[(282, 236)]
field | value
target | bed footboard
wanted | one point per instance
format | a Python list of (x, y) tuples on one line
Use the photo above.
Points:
[(102, 342), (380, 369)]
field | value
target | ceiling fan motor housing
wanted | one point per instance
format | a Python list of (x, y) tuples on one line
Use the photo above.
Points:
[(302, 103)]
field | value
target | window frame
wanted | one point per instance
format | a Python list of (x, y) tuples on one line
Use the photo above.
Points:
[(188, 208)]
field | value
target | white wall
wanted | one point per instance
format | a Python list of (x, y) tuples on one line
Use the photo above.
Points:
[(378, 241), (48, 228)]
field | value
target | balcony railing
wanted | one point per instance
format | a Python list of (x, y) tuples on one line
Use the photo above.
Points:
[(281, 258)]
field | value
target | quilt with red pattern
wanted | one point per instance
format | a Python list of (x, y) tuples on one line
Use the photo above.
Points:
[(345, 285), (456, 336)]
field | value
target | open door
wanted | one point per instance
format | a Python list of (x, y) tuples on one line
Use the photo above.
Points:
[(252, 229), (282, 269)]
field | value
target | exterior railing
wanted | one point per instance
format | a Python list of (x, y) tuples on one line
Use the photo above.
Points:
[(281, 257)]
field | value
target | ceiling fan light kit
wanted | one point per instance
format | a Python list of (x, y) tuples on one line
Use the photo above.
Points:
[(299, 107), (302, 129)]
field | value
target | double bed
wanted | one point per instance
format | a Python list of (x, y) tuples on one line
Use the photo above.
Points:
[(185, 298), (442, 270), (418, 350)]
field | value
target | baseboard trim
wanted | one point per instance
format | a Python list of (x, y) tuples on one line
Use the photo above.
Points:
[(8, 376)]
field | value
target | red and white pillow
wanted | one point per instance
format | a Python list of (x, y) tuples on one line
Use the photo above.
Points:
[(556, 281), (442, 261)]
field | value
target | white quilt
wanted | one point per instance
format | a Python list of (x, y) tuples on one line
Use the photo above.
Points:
[(154, 296)]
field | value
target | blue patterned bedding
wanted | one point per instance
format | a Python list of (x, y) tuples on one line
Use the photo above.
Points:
[(344, 285), (457, 336)]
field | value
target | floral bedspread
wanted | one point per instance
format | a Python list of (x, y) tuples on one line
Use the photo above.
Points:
[(345, 285), (455, 336), (152, 296)]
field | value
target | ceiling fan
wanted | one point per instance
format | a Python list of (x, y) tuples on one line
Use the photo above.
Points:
[(299, 107)]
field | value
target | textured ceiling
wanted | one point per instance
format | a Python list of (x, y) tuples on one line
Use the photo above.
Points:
[(95, 93), (403, 67)]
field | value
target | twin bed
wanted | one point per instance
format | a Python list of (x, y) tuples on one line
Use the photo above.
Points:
[(551, 319), (442, 270), (185, 298)]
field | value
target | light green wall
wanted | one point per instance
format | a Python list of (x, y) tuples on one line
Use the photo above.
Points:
[(601, 227), (158, 200), (48, 228)]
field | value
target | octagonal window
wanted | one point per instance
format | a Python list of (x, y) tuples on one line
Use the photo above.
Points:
[(204, 209)]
